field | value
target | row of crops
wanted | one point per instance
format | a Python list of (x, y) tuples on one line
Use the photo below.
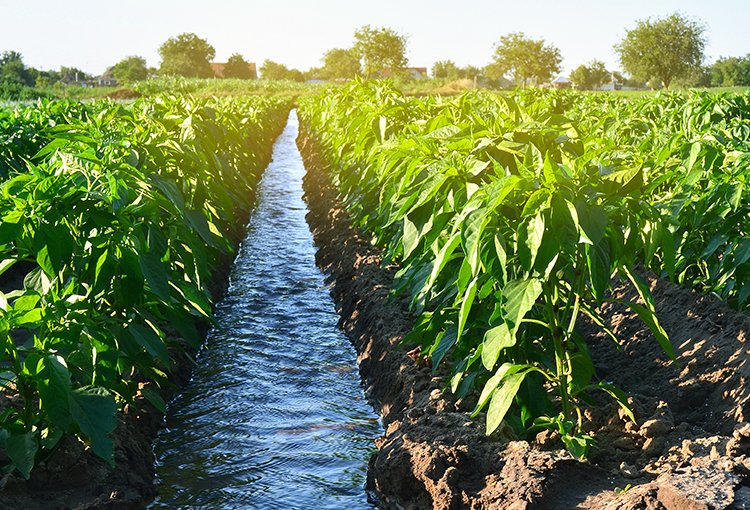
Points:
[(510, 215), (112, 219)]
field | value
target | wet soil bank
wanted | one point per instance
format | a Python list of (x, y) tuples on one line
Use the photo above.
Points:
[(688, 449), (73, 477)]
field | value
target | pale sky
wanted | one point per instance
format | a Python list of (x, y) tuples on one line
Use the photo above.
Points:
[(94, 34)]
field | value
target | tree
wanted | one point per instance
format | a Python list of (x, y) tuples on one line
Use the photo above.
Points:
[(131, 69), (314, 73), (270, 70), (294, 75), (525, 58), (469, 72), (591, 76), (13, 70), (187, 55), (379, 48), (237, 67), (731, 72), (341, 64), (446, 69), (667, 48)]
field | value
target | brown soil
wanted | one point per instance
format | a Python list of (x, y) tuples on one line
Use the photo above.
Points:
[(123, 94), (687, 450)]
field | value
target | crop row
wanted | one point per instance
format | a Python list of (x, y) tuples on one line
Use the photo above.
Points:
[(112, 218), (510, 215)]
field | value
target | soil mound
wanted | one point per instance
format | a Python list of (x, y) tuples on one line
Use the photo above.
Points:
[(123, 94)]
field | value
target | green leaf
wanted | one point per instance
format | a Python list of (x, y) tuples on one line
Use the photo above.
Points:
[(495, 340), (21, 449), (442, 258), (93, 408), (157, 242), (154, 399), (537, 202), (197, 220), (650, 319), (519, 297), (37, 280), (185, 325), (598, 260), (622, 182), (502, 398), (197, 299), (466, 303), (742, 251), (471, 233), (156, 274), (149, 340), (489, 387), (716, 241), (443, 132), (593, 221), (54, 388), (529, 240), (42, 258), (11, 226), (620, 398), (26, 302), (447, 340)]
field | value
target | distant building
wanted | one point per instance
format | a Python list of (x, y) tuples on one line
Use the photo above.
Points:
[(613, 84), (218, 68), (72, 79), (561, 82), (107, 79), (502, 83)]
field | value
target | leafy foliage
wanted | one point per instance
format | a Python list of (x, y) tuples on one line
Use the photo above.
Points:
[(227, 86), (341, 64), (237, 67), (591, 76), (131, 69), (112, 218), (509, 217), (525, 58), (186, 55), (379, 48), (665, 48)]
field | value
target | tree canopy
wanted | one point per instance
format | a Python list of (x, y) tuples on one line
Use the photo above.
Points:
[(525, 58), (731, 71), (445, 69), (590, 76), (664, 49), (238, 67), (379, 48), (131, 69), (13, 70), (340, 63), (271, 70), (187, 55)]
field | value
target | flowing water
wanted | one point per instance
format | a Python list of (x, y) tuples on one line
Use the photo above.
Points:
[(274, 416)]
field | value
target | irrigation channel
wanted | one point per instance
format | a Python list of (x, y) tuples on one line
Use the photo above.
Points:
[(274, 416)]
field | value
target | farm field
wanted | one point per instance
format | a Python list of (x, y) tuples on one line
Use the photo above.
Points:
[(509, 218), (547, 290)]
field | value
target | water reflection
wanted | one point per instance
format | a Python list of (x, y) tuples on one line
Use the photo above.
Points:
[(274, 416)]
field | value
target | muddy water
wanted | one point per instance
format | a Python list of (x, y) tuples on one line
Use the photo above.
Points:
[(274, 416)]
